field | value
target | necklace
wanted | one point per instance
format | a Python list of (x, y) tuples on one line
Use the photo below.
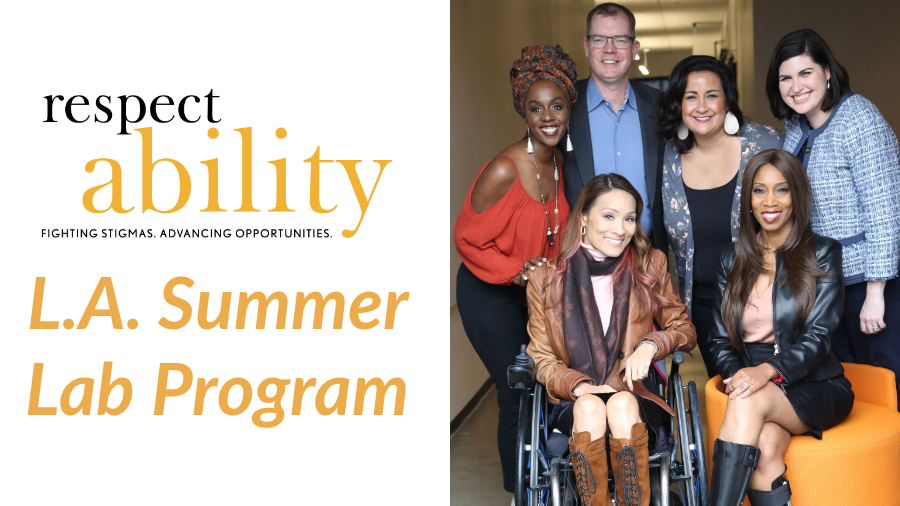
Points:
[(550, 235)]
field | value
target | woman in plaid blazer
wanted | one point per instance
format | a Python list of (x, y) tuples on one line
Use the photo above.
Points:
[(853, 162)]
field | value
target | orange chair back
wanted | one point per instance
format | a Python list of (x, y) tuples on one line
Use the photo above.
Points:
[(872, 385)]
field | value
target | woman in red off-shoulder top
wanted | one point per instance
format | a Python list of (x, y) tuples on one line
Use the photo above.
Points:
[(510, 223)]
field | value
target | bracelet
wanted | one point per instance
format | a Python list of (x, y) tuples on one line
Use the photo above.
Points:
[(655, 346)]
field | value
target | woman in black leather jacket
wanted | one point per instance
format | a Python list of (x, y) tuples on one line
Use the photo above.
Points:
[(778, 300)]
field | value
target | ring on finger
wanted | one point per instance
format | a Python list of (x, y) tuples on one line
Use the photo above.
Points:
[(745, 385)]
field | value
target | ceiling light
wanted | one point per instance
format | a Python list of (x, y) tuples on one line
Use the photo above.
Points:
[(643, 68)]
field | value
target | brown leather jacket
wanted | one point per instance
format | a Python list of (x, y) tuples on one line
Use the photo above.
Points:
[(548, 348)]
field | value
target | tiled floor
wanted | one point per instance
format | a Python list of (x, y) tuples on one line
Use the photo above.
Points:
[(475, 477)]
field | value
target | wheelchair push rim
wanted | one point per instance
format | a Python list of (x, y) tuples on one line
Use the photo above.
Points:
[(699, 444), (531, 464), (522, 440)]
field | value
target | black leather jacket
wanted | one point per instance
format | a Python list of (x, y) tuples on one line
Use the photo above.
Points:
[(801, 352)]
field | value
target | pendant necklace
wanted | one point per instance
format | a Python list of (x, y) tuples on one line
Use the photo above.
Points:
[(550, 235)]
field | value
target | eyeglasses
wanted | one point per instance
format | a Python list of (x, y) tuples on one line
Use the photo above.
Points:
[(619, 41)]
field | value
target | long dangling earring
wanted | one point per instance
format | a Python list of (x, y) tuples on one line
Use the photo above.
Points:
[(683, 131), (828, 85), (568, 140), (731, 123), (530, 148)]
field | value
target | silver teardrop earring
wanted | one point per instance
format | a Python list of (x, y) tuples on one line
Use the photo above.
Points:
[(568, 140), (683, 131), (583, 230), (529, 149)]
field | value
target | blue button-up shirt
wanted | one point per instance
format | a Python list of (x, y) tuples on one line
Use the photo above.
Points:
[(617, 143)]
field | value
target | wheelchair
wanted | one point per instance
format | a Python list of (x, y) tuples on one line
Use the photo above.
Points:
[(544, 471)]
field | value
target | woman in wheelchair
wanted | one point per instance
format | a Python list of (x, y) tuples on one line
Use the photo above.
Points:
[(778, 300), (592, 312)]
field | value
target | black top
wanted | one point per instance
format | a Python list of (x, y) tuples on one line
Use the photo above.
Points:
[(711, 225)]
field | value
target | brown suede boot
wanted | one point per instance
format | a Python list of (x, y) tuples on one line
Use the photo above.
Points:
[(592, 457), (630, 459)]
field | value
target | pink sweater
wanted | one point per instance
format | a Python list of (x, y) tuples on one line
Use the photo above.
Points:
[(603, 293)]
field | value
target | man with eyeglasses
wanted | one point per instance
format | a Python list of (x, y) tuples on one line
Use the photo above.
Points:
[(614, 120)]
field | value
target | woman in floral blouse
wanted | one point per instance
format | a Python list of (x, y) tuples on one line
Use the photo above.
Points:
[(708, 144)]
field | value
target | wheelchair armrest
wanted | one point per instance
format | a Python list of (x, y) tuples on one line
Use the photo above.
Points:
[(678, 358), (520, 375)]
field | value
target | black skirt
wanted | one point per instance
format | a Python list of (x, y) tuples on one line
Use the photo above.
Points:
[(656, 418), (820, 404)]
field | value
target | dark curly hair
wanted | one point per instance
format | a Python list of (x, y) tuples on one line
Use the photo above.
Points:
[(809, 43), (670, 101), (542, 62)]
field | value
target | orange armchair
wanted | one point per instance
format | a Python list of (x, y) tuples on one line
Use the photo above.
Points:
[(856, 462)]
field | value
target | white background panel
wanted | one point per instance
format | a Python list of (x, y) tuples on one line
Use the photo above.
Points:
[(361, 80)]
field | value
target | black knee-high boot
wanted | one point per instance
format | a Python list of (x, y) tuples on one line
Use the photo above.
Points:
[(780, 495), (732, 465)]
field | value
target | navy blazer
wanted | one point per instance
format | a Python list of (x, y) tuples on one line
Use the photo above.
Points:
[(578, 168)]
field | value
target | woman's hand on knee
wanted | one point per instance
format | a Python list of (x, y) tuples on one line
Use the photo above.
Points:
[(749, 380)]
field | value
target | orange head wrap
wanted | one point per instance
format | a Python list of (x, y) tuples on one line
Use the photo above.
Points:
[(542, 62)]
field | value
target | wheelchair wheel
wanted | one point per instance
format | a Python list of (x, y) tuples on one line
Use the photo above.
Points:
[(675, 500), (684, 439), (699, 447), (570, 497), (523, 439), (537, 495)]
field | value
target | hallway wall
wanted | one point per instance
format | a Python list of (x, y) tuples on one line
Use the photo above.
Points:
[(738, 38), (661, 63)]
